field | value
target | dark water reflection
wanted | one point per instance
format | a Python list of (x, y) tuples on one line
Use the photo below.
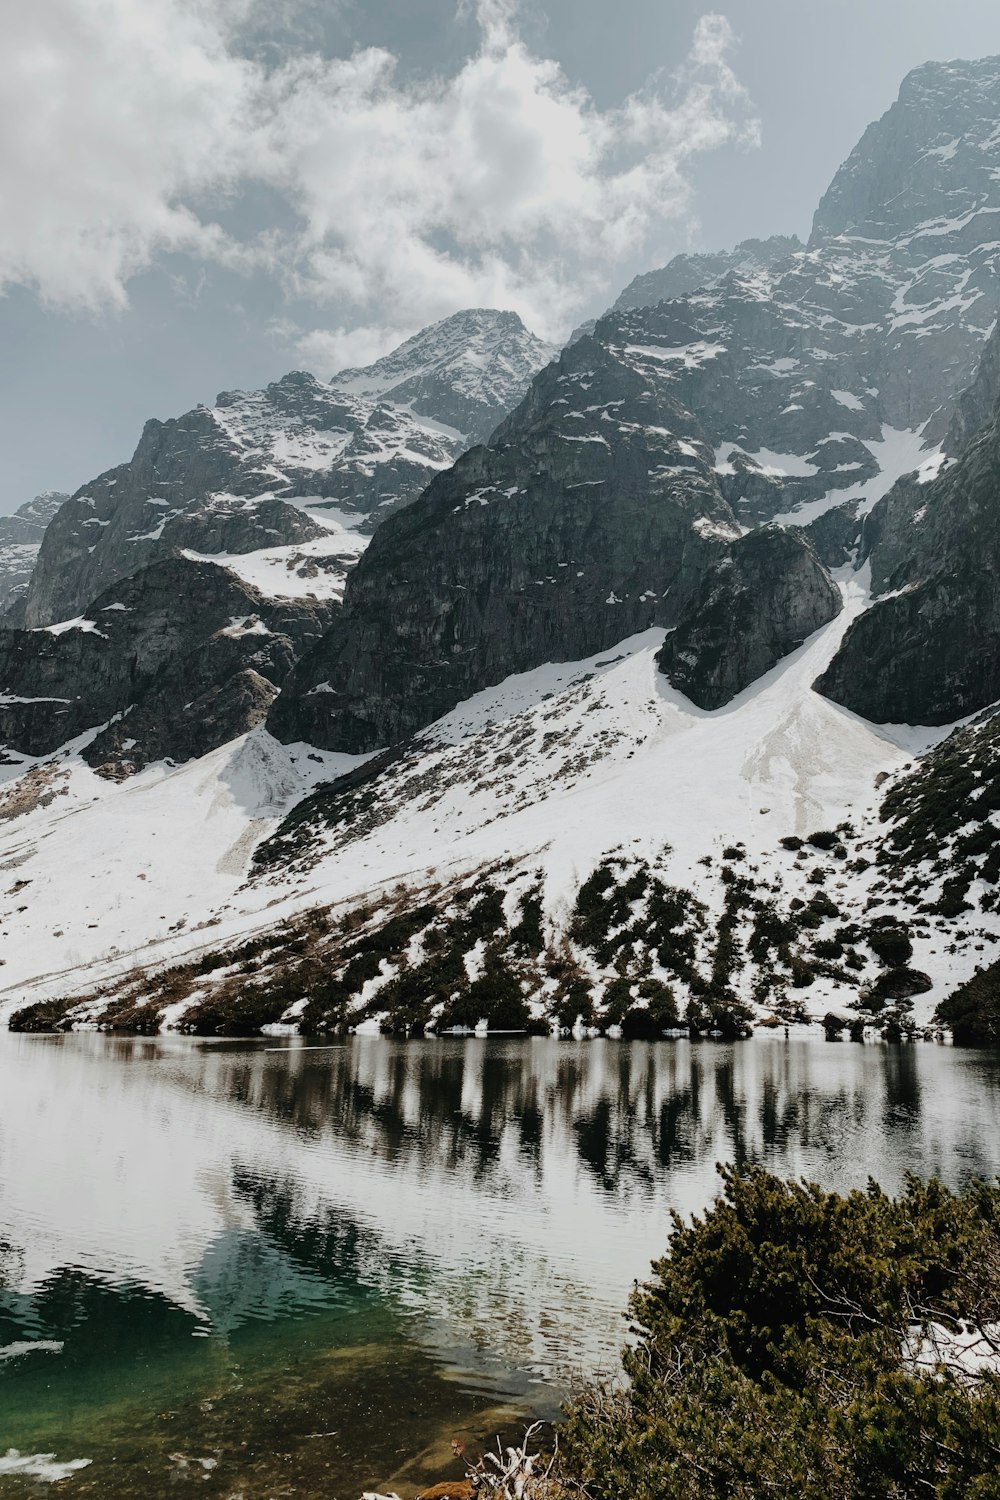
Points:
[(233, 1241)]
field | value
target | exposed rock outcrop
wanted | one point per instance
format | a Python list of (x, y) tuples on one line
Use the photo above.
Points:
[(929, 650), (975, 406), (174, 660), (836, 534), (756, 604)]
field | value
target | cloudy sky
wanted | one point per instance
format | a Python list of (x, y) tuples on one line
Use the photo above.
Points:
[(202, 194)]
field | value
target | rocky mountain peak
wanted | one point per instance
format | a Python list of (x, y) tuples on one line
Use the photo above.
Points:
[(261, 469), (34, 515), (926, 168), (467, 371), (690, 272)]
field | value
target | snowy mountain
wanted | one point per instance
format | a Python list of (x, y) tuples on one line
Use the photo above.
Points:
[(238, 477), (622, 722), (468, 371), (797, 386), (20, 538), (827, 367)]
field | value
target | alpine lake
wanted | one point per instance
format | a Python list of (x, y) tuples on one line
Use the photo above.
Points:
[(257, 1269)]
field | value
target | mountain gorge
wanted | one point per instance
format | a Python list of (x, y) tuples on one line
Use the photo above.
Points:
[(608, 687)]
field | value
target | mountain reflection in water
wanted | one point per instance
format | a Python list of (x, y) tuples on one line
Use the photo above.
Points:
[(477, 1210)]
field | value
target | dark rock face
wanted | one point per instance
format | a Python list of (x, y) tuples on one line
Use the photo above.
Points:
[(20, 538), (835, 535), (755, 605), (927, 656), (930, 652), (975, 406), (592, 515), (173, 660)]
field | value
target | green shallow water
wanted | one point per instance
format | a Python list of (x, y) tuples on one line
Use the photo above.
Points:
[(275, 1270)]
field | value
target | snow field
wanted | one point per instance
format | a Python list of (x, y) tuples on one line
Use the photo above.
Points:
[(553, 769)]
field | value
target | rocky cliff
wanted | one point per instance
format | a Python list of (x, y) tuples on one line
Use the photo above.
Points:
[(169, 662), (756, 604), (928, 650), (20, 538), (975, 406)]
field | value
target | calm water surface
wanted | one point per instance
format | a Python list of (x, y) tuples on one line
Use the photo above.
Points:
[(257, 1270)]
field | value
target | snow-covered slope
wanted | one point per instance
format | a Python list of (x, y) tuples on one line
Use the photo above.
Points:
[(537, 834), (315, 569), (524, 791)]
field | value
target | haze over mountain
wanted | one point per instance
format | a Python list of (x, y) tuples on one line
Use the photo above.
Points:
[(599, 727)]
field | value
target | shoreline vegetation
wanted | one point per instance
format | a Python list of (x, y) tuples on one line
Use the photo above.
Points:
[(42, 1020), (633, 955), (796, 1344), (638, 958)]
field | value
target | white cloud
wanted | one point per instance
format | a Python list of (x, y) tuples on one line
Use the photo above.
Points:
[(116, 118), (126, 123)]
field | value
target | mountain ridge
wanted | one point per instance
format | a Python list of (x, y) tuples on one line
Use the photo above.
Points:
[(487, 801), (191, 480)]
